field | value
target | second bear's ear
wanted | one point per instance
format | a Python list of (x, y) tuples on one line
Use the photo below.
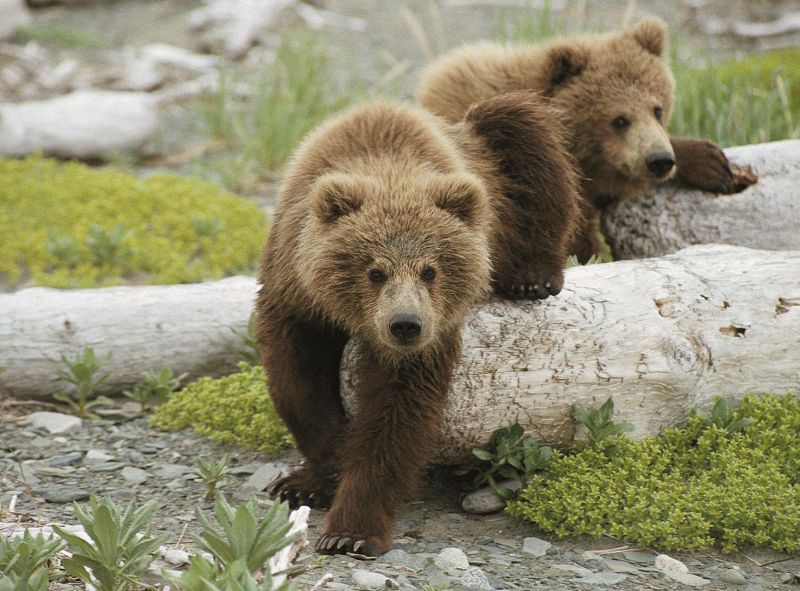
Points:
[(463, 198), (564, 62), (651, 34), (335, 196)]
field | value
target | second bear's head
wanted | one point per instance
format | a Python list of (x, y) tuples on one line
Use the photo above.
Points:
[(617, 94), (397, 256)]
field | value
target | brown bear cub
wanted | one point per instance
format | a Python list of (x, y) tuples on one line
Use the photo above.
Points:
[(614, 94), (390, 224)]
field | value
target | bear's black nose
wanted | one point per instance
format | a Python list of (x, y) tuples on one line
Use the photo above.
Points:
[(405, 327), (660, 163)]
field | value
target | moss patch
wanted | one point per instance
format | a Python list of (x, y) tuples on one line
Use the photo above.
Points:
[(688, 488), (233, 409), (68, 225)]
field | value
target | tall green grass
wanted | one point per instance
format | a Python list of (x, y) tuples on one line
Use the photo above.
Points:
[(261, 127)]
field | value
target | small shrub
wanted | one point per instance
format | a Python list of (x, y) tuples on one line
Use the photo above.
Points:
[(121, 547), (67, 225), (212, 473), (24, 561), (232, 409), (598, 422), (155, 387), (696, 486), (83, 372)]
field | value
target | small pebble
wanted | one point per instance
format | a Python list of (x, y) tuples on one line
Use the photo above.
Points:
[(451, 559), (664, 562), (535, 546), (733, 577), (366, 580)]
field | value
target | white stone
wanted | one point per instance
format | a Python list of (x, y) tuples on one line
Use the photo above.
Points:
[(367, 580), (169, 55), (13, 15), (96, 456), (134, 475), (664, 562), (475, 578), (176, 557), (54, 422), (535, 546), (451, 559), (82, 124), (485, 500)]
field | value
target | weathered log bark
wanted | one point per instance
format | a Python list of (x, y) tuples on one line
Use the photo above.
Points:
[(764, 216), (660, 336), (186, 327)]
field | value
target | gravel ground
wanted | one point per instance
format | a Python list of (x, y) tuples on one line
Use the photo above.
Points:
[(129, 460)]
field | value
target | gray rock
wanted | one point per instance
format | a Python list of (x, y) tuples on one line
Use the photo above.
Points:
[(172, 471), (66, 459), (134, 475), (573, 568), (245, 468), (733, 577), (484, 500), (54, 422), (57, 472), (366, 580), (264, 475), (451, 559), (61, 494), (601, 578), (618, 566), (475, 578), (535, 546), (436, 578), (686, 578), (405, 584), (106, 467), (640, 557), (96, 456), (403, 559)]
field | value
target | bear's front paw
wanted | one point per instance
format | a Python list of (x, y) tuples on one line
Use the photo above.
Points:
[(303, 487), (342, 543), (702, 164), (531, 286)]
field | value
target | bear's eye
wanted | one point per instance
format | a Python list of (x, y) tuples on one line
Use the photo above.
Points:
[(620, 122), (658, 112), (376, 276), (428, 274)]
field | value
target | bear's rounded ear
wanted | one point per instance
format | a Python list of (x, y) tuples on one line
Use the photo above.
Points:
[(651, 33), (564, 62), (462, 197), (336, 195)]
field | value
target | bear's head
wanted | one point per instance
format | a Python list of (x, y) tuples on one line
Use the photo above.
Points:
[(397, 259), (617, 94)]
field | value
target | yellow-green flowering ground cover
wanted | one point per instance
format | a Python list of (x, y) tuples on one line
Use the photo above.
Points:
[(68, 225), (691, 487)]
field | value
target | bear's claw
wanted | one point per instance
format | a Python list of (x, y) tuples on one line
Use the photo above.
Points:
[(535, 289), (343, 544), (299, 488)]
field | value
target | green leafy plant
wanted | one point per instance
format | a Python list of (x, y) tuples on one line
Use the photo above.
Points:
[(691, 487), (232, 409), (723, 418), (82, 372), (248, 350), (155, 387), (24, 561), (64, 224), (598, 422), (121, 546), (511, 455), (212, 473), (240, 549)]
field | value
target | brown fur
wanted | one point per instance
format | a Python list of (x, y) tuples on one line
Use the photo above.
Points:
[(374, 204), (591, 81)]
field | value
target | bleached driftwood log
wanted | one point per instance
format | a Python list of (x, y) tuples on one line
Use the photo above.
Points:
[(658, 335), (189, 328), (765, 215)]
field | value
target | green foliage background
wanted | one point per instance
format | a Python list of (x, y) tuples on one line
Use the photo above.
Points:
[(688, 488), (232, 409), (160, 229)]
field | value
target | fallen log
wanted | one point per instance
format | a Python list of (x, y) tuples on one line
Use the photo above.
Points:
[(659, 335), (765, 216)]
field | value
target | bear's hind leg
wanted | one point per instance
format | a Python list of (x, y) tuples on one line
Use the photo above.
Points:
[(301, 360), (538, 213)]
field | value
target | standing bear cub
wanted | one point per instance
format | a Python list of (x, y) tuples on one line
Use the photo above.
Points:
[(390, 224), (614, 94)]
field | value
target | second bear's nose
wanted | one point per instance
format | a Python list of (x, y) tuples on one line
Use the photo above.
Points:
[(660, 163), (405, 327)]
